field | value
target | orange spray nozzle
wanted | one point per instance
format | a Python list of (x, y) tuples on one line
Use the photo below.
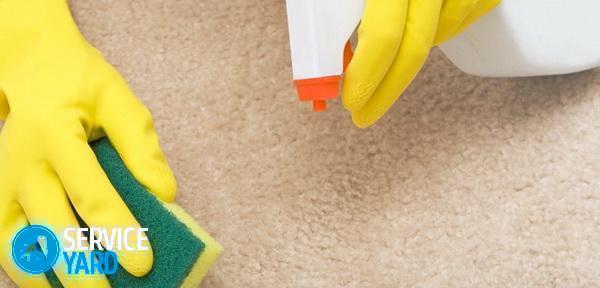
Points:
[(319, 105), (319, 90)]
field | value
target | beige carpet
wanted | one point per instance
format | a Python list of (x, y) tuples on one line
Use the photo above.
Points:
[(466, 182)]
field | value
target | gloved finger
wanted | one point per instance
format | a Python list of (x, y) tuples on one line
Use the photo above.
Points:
[(421, 26), (55, 213), (129, 126), (453, 14), (379, 36), (482, 8), (97, 202), (4, 108), (12, 220)]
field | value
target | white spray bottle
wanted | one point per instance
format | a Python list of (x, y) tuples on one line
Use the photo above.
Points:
[(319, 32)]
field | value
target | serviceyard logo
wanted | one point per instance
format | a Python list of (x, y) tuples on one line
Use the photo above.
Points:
[(36, 249)]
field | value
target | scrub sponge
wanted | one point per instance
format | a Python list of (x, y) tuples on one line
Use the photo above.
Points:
[(183, 252)]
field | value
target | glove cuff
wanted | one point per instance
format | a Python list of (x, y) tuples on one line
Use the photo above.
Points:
[(46, 19), (27, 25)]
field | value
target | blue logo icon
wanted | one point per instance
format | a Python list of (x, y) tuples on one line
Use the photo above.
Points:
[(35, 249)]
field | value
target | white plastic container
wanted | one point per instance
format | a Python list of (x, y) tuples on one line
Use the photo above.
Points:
[(530, 38), (319, 30)]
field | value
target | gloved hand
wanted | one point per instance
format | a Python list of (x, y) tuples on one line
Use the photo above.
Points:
[(394, 39), (56, 94)]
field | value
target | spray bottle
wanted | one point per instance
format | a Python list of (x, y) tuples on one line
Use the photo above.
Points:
[(319, 33), (530, 38)]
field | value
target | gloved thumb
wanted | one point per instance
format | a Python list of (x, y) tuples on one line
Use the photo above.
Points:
[(129, 126), (456, 16)]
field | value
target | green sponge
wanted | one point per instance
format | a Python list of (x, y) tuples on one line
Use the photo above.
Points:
[(183, 252)]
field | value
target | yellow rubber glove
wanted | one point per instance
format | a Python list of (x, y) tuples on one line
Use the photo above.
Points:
[(394, 40), (56, 94)]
